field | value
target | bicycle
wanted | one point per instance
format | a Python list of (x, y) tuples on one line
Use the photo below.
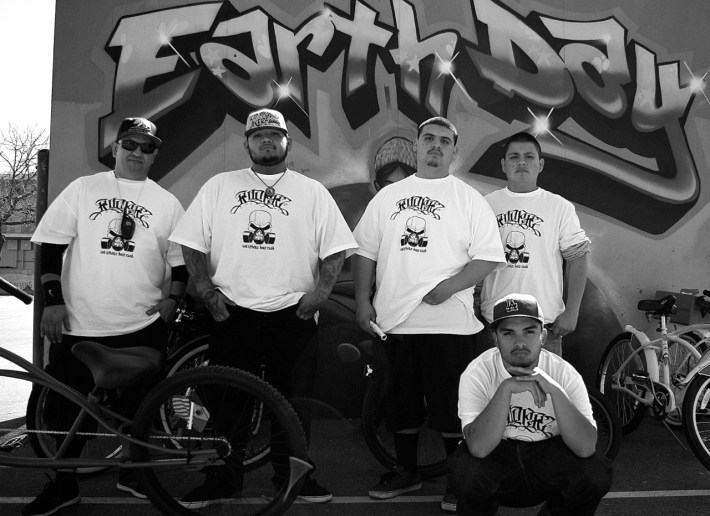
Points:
[(197, 419), (637, 372), (186, 348), (431, 455)]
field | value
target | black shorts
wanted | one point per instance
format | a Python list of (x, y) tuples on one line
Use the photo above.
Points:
[(423, 373)]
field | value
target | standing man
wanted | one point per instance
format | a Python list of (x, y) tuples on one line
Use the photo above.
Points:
[(539, 230), (427, 239), (527, 423), (118, 285), (264, 245)]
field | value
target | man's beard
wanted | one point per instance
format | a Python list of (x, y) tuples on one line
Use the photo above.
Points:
[(268, 161)]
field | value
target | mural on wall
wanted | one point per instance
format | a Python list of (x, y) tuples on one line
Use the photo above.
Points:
[(613, 88), (615, 110)]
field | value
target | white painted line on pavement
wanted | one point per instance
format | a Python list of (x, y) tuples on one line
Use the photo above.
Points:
[(657, 494), (103, 500)]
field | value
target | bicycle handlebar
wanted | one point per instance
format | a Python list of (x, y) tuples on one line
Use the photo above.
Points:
[(12, 289)]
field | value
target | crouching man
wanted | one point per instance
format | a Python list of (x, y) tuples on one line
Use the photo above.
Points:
[(529, 434)]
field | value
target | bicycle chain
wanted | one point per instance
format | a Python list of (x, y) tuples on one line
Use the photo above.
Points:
[(98, 434)]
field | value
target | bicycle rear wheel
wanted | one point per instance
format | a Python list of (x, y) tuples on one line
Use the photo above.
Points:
[(189, 356), (44, 442), (608, 424), (220, 402), (629, 410), (696, 417), (431, 458)]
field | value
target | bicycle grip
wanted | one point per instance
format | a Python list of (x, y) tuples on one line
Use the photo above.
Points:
[(382, 335)]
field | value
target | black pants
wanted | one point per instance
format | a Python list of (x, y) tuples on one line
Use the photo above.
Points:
[(280, 339), (59, 413), (522, 473), (285, 344)]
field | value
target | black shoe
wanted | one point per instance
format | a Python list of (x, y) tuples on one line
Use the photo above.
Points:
[(53, 498), (311, 491), (127, 482), (210, 493), (396, 483), (449, 501)]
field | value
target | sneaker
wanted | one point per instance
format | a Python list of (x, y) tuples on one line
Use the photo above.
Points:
[(448, 503), (52, 499), (127, 482), (396, 483), (311, 491), (209, 493)]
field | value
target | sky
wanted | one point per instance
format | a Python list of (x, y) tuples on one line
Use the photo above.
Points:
[(26, 41)]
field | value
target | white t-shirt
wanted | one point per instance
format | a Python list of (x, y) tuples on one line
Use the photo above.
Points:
[(526, 421), (421, 232), (263, 252), (109, 281), (534, 228)]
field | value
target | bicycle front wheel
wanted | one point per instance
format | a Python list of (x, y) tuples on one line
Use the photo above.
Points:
[(629, 410), (608, 424), (196, 354), (211, 410), (431, 456), (696, 417)]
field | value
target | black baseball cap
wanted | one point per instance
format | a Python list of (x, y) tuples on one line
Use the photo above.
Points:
[(516, 305), (136, 126)]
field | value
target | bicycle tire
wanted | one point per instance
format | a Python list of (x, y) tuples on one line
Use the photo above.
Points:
[(431, 457), (629, 410), (696, 417), (230, 393), (190, 355), (44, 444), (680, 363), (608, 425), (194, 354)]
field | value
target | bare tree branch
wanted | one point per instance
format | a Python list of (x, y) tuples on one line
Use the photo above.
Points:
[(18, 174)]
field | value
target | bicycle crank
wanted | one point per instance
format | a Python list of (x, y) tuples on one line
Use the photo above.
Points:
[(661, 395)]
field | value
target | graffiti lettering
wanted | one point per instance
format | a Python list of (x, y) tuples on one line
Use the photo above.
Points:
[(515, 65), (259, 197), (116, 204), (521, 219), (527, 419), (423, 205)]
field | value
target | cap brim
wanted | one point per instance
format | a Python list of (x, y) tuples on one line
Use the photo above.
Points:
[(495, 323), (251, 131), (157, 141)]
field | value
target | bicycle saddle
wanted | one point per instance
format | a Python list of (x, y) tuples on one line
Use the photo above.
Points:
[(114, 368), (665, 306)]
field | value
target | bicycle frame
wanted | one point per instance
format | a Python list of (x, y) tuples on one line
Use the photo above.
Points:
[(650, 348), (37, 376)]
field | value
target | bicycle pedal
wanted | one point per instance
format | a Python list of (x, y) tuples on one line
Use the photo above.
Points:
[(641, 378), (14, 442)]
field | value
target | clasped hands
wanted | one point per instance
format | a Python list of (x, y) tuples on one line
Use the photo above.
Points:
[(534, 380)]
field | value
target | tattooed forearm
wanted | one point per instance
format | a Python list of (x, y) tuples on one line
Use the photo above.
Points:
[(198, 268), (329, 271)]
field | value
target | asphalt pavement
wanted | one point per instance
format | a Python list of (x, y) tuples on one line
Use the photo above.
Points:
[(653, 475)]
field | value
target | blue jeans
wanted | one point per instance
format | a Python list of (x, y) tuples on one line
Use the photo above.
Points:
[(524, 474)]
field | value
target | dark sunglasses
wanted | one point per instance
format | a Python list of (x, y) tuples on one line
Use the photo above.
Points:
[(130, 145), (128, 225)]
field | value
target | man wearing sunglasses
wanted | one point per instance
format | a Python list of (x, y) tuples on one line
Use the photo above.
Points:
[(109, 275)]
